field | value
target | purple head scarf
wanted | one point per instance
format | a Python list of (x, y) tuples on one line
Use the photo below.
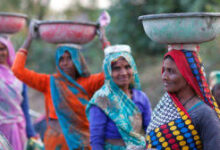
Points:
[(5, 72)]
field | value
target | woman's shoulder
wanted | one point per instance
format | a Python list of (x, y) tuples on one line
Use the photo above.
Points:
[(101, 93), (139, 92), (140, 96), (203, 112), (207, 124), (202, 108)]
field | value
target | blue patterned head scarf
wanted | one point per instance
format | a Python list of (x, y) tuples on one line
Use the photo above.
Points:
[(113, 101), (77, 59), (108, 70), (69, 98)]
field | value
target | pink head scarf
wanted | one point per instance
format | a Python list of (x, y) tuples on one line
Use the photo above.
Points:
[(11, 52), (11, 99), (5, 72)]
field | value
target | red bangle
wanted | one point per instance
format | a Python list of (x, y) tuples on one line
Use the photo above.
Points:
[(23, 51), (105, 44)]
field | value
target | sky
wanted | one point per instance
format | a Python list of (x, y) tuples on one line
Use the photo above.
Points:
[(59, 5)]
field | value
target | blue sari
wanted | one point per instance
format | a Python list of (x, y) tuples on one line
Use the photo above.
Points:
[(70, 100)]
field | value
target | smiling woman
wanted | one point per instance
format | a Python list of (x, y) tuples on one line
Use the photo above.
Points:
[(122, 73), (120, 94)]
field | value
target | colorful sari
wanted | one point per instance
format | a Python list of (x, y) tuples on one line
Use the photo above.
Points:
[(70, 99), (4, 144), (12, 123), (171, 126), (119, 107)]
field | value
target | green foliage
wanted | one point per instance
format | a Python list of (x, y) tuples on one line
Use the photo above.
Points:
[(126, 28), (42, 57), (33, 8)]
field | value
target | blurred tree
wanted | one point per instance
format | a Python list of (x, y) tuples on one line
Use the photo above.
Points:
[(33, 8), (37, 9), (126, 28)]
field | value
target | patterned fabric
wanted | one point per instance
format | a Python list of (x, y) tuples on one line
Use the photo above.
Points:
[(10, 97), (53, 137), (4, 144), (203, 90), (113, 147), (71, 115), (214, 78), (117, 106), (12, 123), (171, 126), (117, 48), (164, 113)]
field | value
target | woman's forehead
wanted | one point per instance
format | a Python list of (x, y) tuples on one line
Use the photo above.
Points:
[(169, 63), (66, 52), (119, 60)]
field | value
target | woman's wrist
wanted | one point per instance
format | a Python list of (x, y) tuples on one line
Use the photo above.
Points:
[(27, 42), (24, 51), (105, 44)]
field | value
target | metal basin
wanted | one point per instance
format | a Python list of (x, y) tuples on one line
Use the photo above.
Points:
[(11, 22), (66, 31), (181, 28)]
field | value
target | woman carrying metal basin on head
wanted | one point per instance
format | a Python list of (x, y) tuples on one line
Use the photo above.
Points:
[(66, 94), (119, 112), (15, 121), (187, 116)]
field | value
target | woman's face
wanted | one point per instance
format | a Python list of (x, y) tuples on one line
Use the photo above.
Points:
[(66, 64), (172, 79), (3, 54), (122, 73)]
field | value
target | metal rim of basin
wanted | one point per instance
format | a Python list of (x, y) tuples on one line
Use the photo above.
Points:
[(13, 15), (177, 15), (66, 22)]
